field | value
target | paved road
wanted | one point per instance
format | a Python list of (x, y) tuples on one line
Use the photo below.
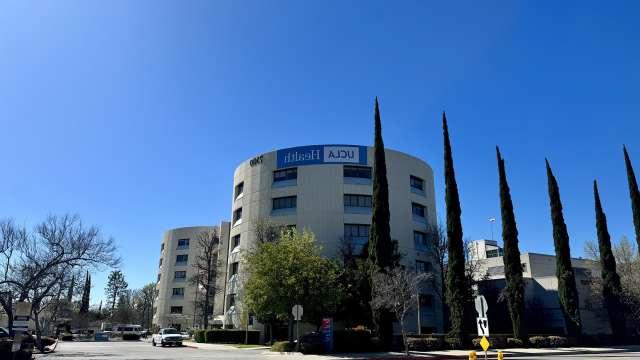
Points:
[(144, 351)]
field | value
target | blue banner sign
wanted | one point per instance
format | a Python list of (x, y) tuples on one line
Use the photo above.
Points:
[(322, 154)]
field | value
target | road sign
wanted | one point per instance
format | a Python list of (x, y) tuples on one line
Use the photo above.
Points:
[(20, 323), (485, 344), (297, 312), (481, 306), (483, 326)]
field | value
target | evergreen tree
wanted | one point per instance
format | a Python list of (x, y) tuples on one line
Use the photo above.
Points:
[(611, 288), (567, 293), (512, 264), (84, 306), (70, 289), (456, 281), (634, 194), (380, 245), (116, 286), (381, 252)]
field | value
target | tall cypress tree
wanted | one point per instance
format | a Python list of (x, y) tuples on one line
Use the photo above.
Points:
[(380, 245), (567, 293), (456, 283), (70, 289), (511, 259), (381, 249), (634, 194), (611, 289), (84, 305)]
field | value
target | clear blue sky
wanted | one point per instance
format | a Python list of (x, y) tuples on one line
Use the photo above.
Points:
[(134, 114)]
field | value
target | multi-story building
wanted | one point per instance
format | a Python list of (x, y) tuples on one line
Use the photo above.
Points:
[(541, 290), (177, 295), (327, 189)]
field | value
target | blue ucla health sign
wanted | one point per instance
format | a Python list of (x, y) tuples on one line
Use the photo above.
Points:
[(322, 154)]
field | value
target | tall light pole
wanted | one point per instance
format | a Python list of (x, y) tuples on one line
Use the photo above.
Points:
[(492, 220)]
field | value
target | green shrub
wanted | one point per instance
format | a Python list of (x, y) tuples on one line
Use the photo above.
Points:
[(453, 343), (557, 341), (199, 336), (352, 341), (538, 341), (231, 336), (513, 342), (425, 344), (282, 346)]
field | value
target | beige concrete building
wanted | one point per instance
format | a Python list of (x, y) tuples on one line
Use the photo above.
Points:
[(327, 189), (541, 290), (175, 303)]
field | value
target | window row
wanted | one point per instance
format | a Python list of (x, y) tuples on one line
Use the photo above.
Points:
[(285, 202), (177, 292), (348, 171)]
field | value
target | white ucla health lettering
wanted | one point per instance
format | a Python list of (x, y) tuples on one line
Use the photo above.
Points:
[(341, 154)]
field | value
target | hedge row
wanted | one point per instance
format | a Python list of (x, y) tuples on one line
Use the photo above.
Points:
[(226, 336)]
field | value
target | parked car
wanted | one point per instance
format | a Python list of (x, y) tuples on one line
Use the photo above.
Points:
[(167, 336), (185, 335), (130, 332)]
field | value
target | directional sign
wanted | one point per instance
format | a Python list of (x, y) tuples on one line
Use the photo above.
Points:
[(20, 323), (483, 326), (485, 345), (297, 312), (481, 306)]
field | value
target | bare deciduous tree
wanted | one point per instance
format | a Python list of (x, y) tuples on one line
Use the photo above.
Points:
[(206, 269), (397, 291)]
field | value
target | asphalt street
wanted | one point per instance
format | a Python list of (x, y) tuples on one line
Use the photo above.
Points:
[(139, 350)]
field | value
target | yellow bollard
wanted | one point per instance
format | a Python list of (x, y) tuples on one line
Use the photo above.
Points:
[(500, 355), (472, 355)]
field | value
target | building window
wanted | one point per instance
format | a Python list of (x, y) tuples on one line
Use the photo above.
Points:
[(232, 300), (182, 259), (418, 210), (524, 267), (160, 262), (356, 235), (239, 189), (495, 253), (234, 269), (183, 244), (416, 183), (235, 241), (178, 292), (158, 277), (180, 275), (285, 174), (161, 247), (286, 202), (237, 215), (362, 172), (353, 200), (176, 309), (423, 266), (426, 301), (421, 241)]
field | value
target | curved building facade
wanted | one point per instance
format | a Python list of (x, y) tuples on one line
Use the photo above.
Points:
[(175, 302), (327, 189)]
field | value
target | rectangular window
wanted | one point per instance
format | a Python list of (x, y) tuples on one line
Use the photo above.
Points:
[(234, 269), (182, 259), (356, 235), (239, 189), (158, 277), (160, 262), (421, 241), (286, 202), (183, 244), (353, 200), (362, 172), (180, 275), (416, 183), (423, 267), (418, 210), (176, 309), (235, 241), (178, 292), (285, 174), (161, 247), (237, 215), (495, 253)]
